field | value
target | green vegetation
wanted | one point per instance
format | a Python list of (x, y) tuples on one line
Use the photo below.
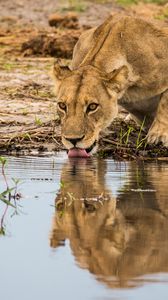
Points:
[(163, 15), (126, 2), (126, 140), (26, 136), (74, 5), (130, 2), (25, 112), (141, 142), (101, 1), (8, 66), (125, 136), (38, 121), (154, 1), (8, 196)]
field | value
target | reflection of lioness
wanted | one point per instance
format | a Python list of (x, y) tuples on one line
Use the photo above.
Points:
[(125, 61), (117, 239)]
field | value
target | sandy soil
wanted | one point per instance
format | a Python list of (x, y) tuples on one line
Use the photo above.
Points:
[(28, 45)]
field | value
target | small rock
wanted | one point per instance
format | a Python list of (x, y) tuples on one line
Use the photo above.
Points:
[(69, 21)]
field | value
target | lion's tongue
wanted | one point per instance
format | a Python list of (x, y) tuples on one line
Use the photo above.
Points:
[(77, 152)]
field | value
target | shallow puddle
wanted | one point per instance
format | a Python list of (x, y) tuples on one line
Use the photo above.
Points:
[(83, 229)]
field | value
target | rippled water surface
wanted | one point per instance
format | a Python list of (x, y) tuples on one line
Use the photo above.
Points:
[(83, 229)]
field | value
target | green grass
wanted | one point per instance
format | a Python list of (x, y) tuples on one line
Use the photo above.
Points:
[(163, 15), (8, 66), (155, 1), (101, 1), (74, 5), (125, 135), (141, 141), (130, 2), (38, 121), (126, 2)]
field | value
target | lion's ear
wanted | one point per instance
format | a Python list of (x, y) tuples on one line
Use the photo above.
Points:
[(60, 71), (117, 80)]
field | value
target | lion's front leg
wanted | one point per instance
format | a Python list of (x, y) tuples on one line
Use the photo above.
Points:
[(158, 131)]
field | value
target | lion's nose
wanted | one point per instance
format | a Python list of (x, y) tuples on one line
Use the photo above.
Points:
[(74, 140)]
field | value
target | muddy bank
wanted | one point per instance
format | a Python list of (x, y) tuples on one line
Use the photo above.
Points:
[(127, 140), (121, 141), (51, 45)]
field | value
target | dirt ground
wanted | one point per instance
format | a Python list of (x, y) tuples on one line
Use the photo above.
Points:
[(32, 34)]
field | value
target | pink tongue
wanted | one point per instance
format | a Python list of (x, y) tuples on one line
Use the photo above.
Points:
[(77, 152)]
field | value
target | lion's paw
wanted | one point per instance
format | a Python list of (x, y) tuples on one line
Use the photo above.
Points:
[(157, 134)]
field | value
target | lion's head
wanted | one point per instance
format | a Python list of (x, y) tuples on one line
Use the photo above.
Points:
[(87, 103)]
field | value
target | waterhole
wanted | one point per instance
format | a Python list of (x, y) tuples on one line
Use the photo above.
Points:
[(83, 229)]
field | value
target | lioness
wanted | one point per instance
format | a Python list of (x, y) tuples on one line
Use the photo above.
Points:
[(123, 61)]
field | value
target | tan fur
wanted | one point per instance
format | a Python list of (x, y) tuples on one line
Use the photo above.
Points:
[(124, 61), (119, 238)]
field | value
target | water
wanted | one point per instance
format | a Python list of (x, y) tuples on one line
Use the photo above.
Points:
[(85, 229)]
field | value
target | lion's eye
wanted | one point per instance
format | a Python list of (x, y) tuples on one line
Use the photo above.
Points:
[(62, 105), (92, 107)]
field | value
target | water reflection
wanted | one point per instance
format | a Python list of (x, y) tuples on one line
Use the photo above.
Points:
[(118, 239)]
